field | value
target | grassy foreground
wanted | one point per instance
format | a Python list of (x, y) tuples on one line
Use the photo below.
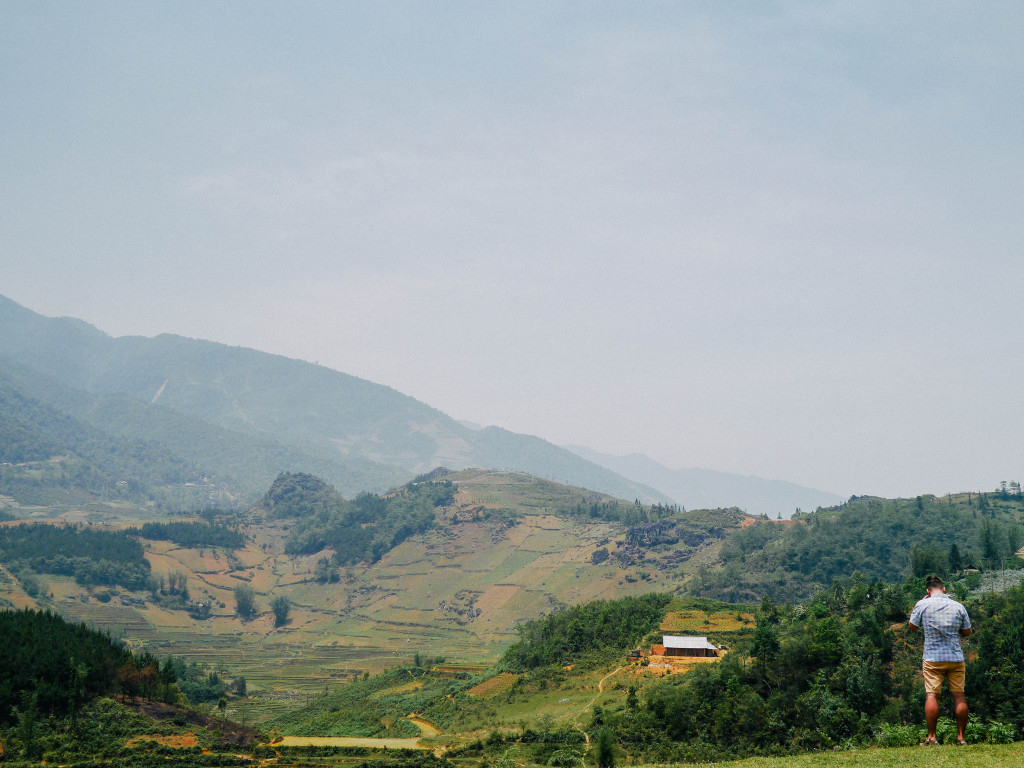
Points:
[(974, 756)]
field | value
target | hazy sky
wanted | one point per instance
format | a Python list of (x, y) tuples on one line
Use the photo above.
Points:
[(781, 239)]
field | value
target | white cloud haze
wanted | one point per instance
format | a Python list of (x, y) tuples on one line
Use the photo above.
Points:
[(771, 238)]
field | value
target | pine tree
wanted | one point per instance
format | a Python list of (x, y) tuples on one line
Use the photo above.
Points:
[(605, 749), (954, 558)]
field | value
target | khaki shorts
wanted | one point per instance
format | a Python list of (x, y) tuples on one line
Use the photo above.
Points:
[(936, 671)]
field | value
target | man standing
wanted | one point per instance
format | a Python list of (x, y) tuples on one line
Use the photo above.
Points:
[(945, 621)]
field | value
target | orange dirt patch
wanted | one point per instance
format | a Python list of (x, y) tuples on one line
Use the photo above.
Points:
[(177, 740), (427, 729), (666, 665)]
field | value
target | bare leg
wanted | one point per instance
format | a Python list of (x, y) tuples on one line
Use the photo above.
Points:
[(960, 703), (931, 713)]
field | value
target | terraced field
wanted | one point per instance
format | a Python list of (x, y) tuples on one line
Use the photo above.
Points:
[(499, 556), (493, 687)]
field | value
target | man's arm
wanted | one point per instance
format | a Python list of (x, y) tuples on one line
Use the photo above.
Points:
[(965, 623), (916, 615)]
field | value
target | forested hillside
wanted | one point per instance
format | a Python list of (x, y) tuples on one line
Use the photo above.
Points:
[(242, 464), (362, 529), (54, 675), (881, 538), (92, 557), (77, 665), (575, 630), (87, 461), (838, 671), (191, 534)]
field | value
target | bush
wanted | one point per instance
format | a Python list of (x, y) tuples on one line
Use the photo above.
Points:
[(977, 732), (245, 601), (899, 735), (280, 605), (1001, 733), (605, 749)]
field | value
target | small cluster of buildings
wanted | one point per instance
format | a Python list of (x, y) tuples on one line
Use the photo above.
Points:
[(680, 648)]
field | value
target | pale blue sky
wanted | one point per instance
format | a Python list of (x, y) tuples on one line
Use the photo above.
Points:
[(772, 238)]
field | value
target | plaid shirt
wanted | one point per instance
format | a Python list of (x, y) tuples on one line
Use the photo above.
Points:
[(942, 618)]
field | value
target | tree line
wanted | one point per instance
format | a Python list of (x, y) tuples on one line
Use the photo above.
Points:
[(363, 529), (192, 535), (887, 539), (91, 556), (839, 670), (578, 629)]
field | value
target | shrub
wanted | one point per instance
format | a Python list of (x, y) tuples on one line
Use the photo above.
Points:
[(1001, 733)]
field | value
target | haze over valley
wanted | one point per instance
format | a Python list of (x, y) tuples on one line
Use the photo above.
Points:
[(192, 396), (533, 385)]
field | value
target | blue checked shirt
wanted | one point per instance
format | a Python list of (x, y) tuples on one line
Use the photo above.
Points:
[(942, 618)]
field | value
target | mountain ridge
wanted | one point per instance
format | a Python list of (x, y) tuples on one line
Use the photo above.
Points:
[(293, 402), (708, 488)]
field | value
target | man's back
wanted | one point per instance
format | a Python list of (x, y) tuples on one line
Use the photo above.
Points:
[(942, 619)]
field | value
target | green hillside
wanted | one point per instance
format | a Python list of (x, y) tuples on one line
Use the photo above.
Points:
[(462, 559), (244, 464), (55, 677), (503, 612), (51, 458), (880, 538), (839, 672)]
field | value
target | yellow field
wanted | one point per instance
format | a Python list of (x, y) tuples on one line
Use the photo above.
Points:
[(496, 685), (348, 741), (694, 622)]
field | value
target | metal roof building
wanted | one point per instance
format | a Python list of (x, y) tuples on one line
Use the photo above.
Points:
[(676, 645)]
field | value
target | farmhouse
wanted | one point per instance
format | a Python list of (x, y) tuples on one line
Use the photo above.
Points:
[(674, 645)]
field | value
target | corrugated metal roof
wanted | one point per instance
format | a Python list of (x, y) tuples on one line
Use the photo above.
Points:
[(675, 641)]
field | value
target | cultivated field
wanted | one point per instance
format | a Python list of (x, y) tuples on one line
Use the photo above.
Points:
[(500, 556)]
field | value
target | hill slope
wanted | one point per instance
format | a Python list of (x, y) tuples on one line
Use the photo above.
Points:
[(276, 399), (243, 464), (506, 548)]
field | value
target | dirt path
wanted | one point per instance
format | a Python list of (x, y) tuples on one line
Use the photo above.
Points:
[(427, 728), (600, 690)]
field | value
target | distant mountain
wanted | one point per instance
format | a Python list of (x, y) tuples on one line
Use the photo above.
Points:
[(51, 458), (710, 489), (196, 395), (237, 463), (501, 449)]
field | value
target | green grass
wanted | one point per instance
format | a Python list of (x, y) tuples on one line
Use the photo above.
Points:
[(977, 756)]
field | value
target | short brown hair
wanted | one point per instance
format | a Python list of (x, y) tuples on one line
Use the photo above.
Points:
[(933, 581)]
